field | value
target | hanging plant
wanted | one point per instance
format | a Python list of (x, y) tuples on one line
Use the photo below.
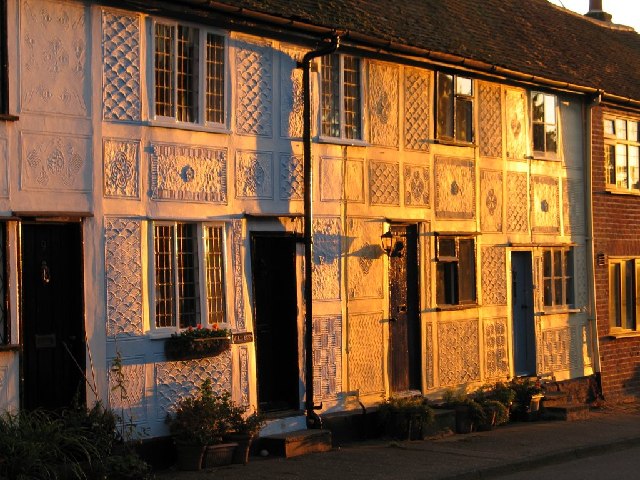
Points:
[(197, 342)]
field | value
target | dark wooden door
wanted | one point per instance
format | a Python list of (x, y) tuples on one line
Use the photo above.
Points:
[(276, 326), (52, 315), (404, 304), (524, 334)]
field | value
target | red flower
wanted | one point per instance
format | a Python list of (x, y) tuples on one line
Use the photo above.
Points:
[(199, 326), (214, 326)]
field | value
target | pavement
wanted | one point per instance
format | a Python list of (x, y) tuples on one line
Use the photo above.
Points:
[(511, 448)]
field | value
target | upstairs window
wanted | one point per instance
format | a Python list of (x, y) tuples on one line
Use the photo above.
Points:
[(622, 154), (545, 122), (189, 74), (623, 294), (456, 271), (341, 97), (189, 275), (454, 108), (557, 272)]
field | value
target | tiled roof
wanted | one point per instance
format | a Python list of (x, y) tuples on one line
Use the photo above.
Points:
[(533, 37)]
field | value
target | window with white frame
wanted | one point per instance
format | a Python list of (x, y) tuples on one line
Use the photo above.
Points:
[(545, 122), (341, 97), (557, 273), (455, 270), (622, 153), (454, 108), (623, 293), (189, 274), (189, 74)]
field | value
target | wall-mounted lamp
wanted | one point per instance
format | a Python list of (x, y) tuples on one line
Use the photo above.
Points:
[(391, 245)]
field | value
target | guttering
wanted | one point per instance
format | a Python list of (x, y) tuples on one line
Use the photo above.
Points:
[(313, 420)]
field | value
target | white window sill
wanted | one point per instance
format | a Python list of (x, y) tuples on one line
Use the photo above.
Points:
[(621, 191), (454, 143), (196, 127), (343, 141), (559, 311), (548, 157), (623, 334)]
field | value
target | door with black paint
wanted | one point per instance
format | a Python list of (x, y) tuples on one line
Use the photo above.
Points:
[(273, 260), (524, 334), (404, 305), (52, 315)]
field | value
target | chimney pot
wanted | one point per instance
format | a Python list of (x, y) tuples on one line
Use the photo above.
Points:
[(595, 11), (595, 5)]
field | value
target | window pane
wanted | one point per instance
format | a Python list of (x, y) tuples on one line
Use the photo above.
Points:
[(557, 263), (467, 271), (621, 165), (331, 95), (447, 247), (548, 293), (557, 291), (621, 129), (615, 295), (546, 259), (633, 131), (550, 109), (538, 138), (163, 257), (215, 275), (351, 97), (446, 283), (551, 136), (537, 110), (630, 297), (187, 74), (164, 36), (634, 165), (464, 86), (445, 106), (610, 161), (609, 129), (215, 78), (189, 301), (4, 318), (568, 279), (464, 119)]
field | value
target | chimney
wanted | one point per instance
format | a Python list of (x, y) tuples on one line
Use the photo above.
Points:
[(595, 11)]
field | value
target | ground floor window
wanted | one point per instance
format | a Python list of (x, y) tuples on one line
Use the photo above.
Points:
[(558, 277), (623, 293), (456, 270), (189, 274)]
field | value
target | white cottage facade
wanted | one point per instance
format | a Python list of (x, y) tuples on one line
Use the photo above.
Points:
[(153, 180)]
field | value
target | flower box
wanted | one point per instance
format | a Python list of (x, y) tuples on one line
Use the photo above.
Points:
[(182, 347)]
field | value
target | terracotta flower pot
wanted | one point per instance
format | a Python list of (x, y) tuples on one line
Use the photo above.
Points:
[(219, 454)]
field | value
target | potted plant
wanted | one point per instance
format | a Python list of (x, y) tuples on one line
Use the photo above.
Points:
[(527, 398), (197, 342), (200, 421), (244, 429), (495, 399), (406, 418), (469, 412)]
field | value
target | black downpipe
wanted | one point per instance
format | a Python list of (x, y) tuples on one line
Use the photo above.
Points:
[(313, 419)]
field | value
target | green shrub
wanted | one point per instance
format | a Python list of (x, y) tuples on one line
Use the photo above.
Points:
[(406, 417)]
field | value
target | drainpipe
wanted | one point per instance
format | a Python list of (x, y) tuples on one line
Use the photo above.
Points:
[(592, 313), (313, 419)]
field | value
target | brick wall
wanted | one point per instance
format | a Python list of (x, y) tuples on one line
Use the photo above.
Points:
[(616, 223)]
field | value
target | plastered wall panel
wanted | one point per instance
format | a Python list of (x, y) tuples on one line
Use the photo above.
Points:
[(417, 186), (491, 200), (496, 348), (254, 174), (516, 124), (517, 206), (291, 100), (384, 183), (291, 177), (364, 259), (121, 166), (383, 104), (455, 181), (494, 273), (366, 349), (327, 275), (490, 119), (327, 357), (545, 207), (458, 352), (416, 109), (254, 89)]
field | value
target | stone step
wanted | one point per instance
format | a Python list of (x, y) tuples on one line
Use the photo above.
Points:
[(552, 399), (293, 444), (566, 412)]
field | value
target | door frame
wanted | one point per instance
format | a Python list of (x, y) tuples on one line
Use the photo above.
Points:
[(44, 221)]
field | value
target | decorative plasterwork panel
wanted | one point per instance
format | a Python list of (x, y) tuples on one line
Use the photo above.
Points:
[(545, 204), (366, 352), (455, 180), (573, 206), (517, 143), (429, 354), (236, 245), (416, 109), (384, 183), (327, 357), (364, 262), (581, 286), (53, 58), (180, 172), (496, 348), (121, 63), (458, 352), (254, 174), (254, 87), (327, 236), (383, 104), (55, 162), (416, 185), (332, 184), (491, 200), (494, 272), (120, 158), (4, 172), (517, 202), (291, 101), (123, 271), (291, 177), (556, 345), (128, 399), (490, 120), (176, 380), (243, 353)]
